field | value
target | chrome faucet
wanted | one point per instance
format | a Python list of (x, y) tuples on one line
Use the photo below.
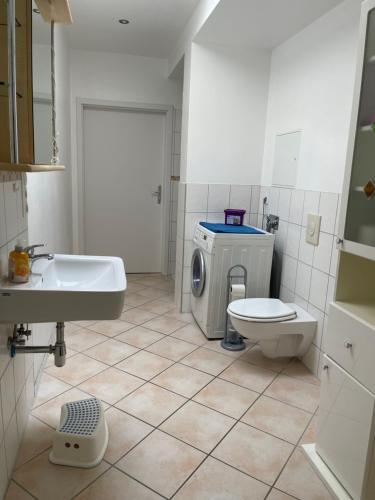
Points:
[(30, 250)]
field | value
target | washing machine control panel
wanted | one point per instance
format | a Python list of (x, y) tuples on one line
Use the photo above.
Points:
[(202, 240)]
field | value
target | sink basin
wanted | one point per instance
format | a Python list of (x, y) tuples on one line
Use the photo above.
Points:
[(67, 288)]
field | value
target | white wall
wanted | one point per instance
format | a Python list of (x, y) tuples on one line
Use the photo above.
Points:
[(227, 105), (311, 89), (49, 194)]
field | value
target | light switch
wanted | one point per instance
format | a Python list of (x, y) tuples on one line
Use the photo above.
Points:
[(313, 229)]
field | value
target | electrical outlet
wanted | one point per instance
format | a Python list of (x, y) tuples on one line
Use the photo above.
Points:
[(313, 229)]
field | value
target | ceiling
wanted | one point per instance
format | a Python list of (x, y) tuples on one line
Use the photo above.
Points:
[(155, 25), (261, 23)]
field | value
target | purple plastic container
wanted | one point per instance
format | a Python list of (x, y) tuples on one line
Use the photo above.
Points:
[(234, 217)]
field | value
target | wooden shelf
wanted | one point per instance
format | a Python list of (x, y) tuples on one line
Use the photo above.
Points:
[(55, 10), (28, 167)]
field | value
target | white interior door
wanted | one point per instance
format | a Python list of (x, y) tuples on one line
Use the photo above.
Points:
[(122, 168)]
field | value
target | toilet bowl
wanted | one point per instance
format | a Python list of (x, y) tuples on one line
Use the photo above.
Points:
[(280, 329)]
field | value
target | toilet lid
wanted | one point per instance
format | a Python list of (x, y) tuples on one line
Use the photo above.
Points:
[(262, 310)]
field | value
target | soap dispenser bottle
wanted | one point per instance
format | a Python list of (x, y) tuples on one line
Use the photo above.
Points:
[(19, 265)]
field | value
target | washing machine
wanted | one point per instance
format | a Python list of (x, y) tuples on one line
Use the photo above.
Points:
[(215, 252)]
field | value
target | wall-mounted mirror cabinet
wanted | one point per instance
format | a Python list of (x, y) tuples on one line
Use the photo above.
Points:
[(26, 93)]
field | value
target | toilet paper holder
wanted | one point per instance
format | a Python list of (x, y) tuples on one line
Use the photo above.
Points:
[(232, 340)]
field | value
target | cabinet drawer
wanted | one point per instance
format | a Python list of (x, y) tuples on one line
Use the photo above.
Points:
[(351, 343), (344, 436)]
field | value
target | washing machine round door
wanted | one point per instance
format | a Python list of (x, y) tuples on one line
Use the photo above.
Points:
[(198, 273)]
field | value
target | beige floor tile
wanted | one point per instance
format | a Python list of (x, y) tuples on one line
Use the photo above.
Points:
[(215, 345), (161, 462), (255, 357), (133, 287), (135, 300), (125, 432), (297, 474), (115, 485), (151, 403), (254, 452), (16, 493), (309, 436), (137, 316), (84, 324), (49, 388), (227, 398), (295, 392), (191, 333), (150, 280), (46, 481), (111, 352), (111, 385), (70, 328), (176, 314), (144, 365), (140, 337), (158, 307), (83, 339), (111, 328), (164, 325), (298, 370), (77, 369), (198, 426), (208, 361), (37, 438), (249, 376), (278, 419), (172, 348), (279, 495), (152, 293), (183, 380), (50, 412), (214, 481)]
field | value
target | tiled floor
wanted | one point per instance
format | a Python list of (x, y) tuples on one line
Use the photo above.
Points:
[(187, 420)]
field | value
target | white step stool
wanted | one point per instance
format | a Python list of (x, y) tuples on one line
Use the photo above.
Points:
[(82, 437)]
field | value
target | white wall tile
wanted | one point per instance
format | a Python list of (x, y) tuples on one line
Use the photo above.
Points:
[(328, 211), (330, 293), (196, 197), (322, 255), (296, 206), (240, 197), (306, 250), (284, 203), (300, 302), (19, 374), (319, 316), (318, 289), (281, 236), (303, 280), (188, 252), (218, 197), (253, 220), (191, 220), (286, 295), (293, 239), (11, 442), (264, 193), (310, 205), (273, 200), (3, 471), (289, 272), (8, 400), (334, 258), (255, 194)]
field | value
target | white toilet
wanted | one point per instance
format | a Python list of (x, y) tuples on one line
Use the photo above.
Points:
[(280, 329)]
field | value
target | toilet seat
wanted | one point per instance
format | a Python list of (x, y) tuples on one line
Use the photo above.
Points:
[(261, 310)]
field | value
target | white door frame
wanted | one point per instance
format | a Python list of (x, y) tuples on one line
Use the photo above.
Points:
[(78, 180)]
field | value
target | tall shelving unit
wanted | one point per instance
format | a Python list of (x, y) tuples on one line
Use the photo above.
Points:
[(344, 452)]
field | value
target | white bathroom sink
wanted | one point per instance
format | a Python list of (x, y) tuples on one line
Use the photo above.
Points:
[(67, 288)]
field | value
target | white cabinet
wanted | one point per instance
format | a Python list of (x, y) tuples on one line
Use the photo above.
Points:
[(345, 431)]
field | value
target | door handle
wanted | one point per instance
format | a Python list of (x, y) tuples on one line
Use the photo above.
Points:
[(157, 194)]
